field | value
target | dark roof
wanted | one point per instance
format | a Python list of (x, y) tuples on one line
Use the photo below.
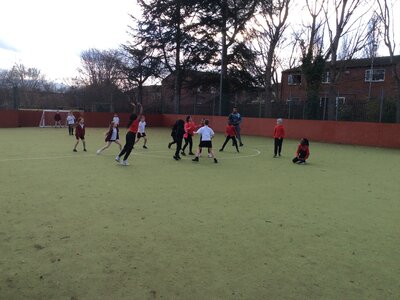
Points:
[(357, 63)]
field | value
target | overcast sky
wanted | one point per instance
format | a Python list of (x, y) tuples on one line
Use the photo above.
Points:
[(50, 34)]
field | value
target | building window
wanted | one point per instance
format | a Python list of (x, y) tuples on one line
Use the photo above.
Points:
[(294, 79), (326, 77), (374, 75), (293, 100), (323, 101), (340, 100)]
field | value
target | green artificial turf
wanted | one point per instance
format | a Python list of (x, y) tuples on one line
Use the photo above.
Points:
[(80, 226)]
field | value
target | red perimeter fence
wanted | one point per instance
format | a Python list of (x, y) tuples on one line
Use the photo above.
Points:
[(354, 133)]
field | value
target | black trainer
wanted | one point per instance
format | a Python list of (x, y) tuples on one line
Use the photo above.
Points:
[(144, 146), (183, 153), (195, 159), (215, 160)]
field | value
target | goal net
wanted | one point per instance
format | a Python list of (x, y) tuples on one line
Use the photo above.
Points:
[(48, 117)]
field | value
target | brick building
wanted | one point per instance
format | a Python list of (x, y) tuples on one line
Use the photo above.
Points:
[(359, 80)]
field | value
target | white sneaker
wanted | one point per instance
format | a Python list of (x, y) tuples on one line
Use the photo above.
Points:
[(117, 158), (209, 155), (98, 152), (125, 163)]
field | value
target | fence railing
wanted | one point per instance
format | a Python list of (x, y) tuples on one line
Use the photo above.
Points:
[(374, 110), (251, 105)]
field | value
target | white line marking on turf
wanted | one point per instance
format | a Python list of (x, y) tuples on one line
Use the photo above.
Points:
[(258, 152), (47, 157), (236, 156)]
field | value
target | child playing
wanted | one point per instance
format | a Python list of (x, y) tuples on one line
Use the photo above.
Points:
[(116, 119), (302, 152), (179, 133), (57, 119), (206, 135), (198, 126), (141, 131), (230, 133), (70, 123), (173, 135), (112, 135), (190, 127), (80, 134), (130, 135), (279, 134)]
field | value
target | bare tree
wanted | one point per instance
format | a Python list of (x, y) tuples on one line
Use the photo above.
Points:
[(346, 21), (138, 65), (101, 73), (99, 67), (373, 36), (25, 78), (386, 17), (268, 37)]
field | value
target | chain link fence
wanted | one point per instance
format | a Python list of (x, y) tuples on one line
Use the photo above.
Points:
[(373, 110), (249, 105)]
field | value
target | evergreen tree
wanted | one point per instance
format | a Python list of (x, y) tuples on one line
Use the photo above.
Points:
[(171, 29), (228, 19)]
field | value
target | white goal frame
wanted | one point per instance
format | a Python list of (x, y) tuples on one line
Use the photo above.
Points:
[(44, 124)]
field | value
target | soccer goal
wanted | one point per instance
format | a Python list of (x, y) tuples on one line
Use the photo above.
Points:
[(48, 120)]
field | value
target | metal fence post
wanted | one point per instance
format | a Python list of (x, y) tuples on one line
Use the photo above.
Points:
[(381, 107), (337, 108)]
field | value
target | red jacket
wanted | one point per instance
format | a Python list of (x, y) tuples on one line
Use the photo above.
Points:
[(134, 126), (190, 127), (302, 151), (80, 131), (279, 132), (230, 130)]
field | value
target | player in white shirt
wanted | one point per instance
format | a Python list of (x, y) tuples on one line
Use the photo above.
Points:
[(141, 131), (70, 123), (115, 120), (112, 135), (206, 136)]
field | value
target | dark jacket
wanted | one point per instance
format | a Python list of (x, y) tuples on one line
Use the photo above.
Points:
[(179, 129)]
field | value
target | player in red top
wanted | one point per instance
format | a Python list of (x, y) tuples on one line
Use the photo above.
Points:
[(190, 128), (230, 133), (80, 134), (130, 135), (303, 152), (279, 134), (57, 119)]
